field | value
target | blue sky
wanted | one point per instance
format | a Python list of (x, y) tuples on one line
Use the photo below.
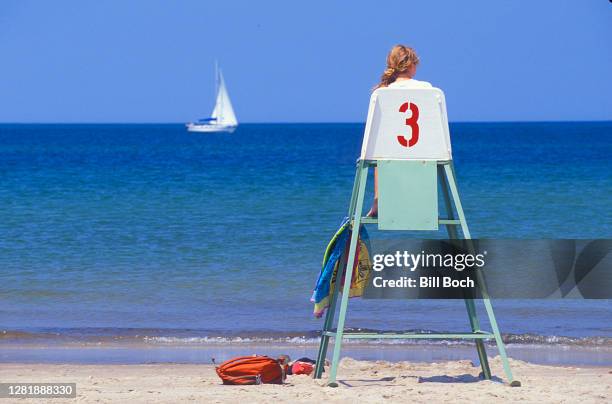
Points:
[(287, 61)]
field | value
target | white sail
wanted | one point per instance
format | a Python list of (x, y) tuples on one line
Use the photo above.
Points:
[(223, 112), (223, 118)]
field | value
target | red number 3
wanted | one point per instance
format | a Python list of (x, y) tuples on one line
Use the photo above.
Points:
[(412, 122)]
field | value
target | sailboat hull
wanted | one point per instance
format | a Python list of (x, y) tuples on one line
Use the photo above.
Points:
[(204, 128)]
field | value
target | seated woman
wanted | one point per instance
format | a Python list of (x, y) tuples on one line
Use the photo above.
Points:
[(402, 62)]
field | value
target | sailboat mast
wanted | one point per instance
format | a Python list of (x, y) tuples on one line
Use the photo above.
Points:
[(220, 99), (216, 77)]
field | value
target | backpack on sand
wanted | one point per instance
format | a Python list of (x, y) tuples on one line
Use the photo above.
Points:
[(251, 370)]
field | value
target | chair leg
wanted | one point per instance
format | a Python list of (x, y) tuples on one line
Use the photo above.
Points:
[(498, 340), (480, 346), (348, 274), (327, 326), (331, 311), (450, 179), (469, 303)]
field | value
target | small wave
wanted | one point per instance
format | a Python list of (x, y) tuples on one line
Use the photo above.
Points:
[(536, 339), (231, 340), (169, 337)]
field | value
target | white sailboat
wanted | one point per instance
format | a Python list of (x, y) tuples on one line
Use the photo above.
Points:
[(222, 118)]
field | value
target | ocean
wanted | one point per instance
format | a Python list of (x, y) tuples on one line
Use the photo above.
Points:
[(151, 236)]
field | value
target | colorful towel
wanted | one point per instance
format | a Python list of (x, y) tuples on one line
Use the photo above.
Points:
[(336, 255)]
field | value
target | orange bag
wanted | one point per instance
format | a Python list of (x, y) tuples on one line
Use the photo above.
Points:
[(251, 370)]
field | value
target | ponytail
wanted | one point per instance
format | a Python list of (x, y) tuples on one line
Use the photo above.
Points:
[(399, 59)]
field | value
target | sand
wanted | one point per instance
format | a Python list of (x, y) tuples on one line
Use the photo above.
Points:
[(360, 381)]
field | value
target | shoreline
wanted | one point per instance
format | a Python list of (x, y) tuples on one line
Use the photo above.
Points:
[(142, 353), (362, 381)]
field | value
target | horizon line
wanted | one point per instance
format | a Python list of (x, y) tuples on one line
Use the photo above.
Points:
[(293, 123)]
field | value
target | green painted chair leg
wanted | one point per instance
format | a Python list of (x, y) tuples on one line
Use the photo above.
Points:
[(331, 311), (353, 202), (322, 353), (500, 343), (450, 178), (321, 357), (327, 326), (469, 303), (480, 346), (348, 276)]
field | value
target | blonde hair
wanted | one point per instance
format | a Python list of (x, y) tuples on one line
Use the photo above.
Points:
[(399, 60)]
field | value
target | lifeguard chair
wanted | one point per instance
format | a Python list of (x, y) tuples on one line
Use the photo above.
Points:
[(407, 138)]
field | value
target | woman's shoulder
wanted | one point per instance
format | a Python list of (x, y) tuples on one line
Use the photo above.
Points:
[(412, 83)]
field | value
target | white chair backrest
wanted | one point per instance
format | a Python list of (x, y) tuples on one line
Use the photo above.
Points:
[(407, 124)]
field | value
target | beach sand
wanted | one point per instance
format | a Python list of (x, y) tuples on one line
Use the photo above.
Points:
[(360, 381)]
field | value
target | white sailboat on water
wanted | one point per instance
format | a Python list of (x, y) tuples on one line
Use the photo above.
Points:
[(222, 118)]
